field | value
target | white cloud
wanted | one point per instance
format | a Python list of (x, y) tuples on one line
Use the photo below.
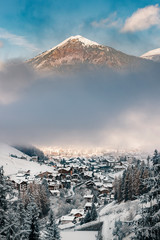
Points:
[(142, 19), (16, 40), (108, 22)]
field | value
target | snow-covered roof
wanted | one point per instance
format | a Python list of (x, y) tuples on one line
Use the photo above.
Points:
[(75, 211), (108, 185), (88, 173), (88, 196), (67, 218), (54, 191), (88, 204)]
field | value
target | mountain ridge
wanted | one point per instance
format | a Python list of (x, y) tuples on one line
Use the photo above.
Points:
[(76, 51)]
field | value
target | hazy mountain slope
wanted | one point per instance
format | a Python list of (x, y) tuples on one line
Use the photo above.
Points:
[(78, 50)]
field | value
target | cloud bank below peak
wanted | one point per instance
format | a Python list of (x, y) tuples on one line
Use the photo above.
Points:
[(101, 108)]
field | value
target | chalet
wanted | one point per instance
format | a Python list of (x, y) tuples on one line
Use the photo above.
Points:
[(55, 185), (90, 184), (110, 163), (118, 168), (55, 193), (77, 213), (66, 171), (88, 198), (88, 175), (103, 190), (45, 175), (88, 206), (75, 176), (34, 158), (66, 183), (20, 185)]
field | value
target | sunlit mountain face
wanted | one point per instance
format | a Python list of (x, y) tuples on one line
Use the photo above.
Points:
[(78, 51)]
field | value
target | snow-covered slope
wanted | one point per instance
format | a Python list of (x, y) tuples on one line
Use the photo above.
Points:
[(12, 165), (152, 55), (112, 212)]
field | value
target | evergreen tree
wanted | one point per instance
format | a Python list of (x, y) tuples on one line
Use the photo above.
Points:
[(31, 222), (52, 232), (126, 188), (119, 190), (94, 214), (3, 194), (117, 231), (115, 187), (87, 218), (149, 227), (45, 184)]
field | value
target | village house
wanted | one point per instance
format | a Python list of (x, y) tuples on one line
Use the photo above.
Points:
[(55, 193), (65, 171), (55, 185), (87, 206), (34, 158), (45, 175), (88, 198), (77, 213)]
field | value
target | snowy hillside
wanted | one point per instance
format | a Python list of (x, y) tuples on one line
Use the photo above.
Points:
[(124, 211), (12, 165), (152, 55)]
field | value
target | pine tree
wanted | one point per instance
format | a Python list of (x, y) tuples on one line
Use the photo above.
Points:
[(31, 222), (87, 218), (115, 187), (126, 188), (95, 199), (119, 191), (45, 184), (3, 201), (52, 232), (117, 231), (149, 227), (94, 214)]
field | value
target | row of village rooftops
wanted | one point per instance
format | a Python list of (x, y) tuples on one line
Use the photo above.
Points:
[(65, 178)]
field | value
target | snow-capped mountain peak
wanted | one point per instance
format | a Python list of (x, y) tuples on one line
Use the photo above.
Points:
[(77, 50), (81, 39), (152, 55)]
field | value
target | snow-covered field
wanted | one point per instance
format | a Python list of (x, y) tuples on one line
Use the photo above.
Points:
[(79, 235), (12, 165)]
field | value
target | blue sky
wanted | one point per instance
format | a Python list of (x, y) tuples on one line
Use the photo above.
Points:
[(29, 27)]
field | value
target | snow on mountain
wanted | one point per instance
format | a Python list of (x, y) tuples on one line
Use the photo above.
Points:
[(83, 40), (12, 165), (77, 51), (152, 55)]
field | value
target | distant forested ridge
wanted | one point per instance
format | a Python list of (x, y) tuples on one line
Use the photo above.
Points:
[(31, 151)]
